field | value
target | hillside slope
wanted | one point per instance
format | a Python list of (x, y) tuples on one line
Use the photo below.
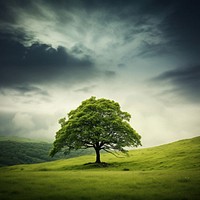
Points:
[(184, 154), (167, 172), (15, 151)]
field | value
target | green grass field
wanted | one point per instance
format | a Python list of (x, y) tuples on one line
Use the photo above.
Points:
[(170, 172)]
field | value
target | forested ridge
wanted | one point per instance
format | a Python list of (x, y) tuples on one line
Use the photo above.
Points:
[(20, 152)]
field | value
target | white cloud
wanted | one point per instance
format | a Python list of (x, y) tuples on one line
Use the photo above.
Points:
[(23, 121)]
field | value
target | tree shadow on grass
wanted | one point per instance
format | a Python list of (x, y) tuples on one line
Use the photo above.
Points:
[(102, 165), (124, 166), (98, 165), (90, 165)]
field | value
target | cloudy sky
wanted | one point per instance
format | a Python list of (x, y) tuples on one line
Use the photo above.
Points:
[(144, 54)]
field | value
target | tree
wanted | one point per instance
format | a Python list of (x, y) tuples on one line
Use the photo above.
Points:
[(98, 124)]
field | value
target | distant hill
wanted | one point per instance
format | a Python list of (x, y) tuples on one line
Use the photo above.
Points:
[(16, 150), (22, 139)]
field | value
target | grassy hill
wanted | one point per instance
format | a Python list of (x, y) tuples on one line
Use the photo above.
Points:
[(167, 172), (16, 150)]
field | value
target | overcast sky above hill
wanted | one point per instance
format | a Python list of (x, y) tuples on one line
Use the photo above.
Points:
[(144, 54)]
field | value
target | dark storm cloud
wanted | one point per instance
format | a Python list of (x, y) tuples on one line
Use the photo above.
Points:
[(175, 22), (182, 26), (24, 90), (39, 63), (30, 89), (86, 89), (148, 49), (110, 73), (121, 65), (185, 82), (178, 28), (171, 26)]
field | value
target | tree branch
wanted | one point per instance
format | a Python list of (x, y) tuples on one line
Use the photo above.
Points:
[(113, 153)]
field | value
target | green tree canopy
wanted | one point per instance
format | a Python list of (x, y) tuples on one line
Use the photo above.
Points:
[(98, 124)]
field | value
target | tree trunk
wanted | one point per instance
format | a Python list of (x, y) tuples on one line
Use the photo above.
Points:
[(98, 160)]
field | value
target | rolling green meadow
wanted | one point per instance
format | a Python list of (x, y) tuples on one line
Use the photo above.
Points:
[(170, 172)]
